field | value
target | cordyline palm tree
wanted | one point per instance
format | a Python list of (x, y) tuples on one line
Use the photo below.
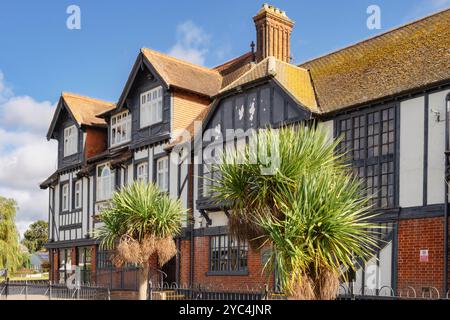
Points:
[(141, 221), (311, 210)]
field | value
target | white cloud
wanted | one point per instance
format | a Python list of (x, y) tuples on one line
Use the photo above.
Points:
[(192, 43), (5, 91), (26, 113), (26, 157)]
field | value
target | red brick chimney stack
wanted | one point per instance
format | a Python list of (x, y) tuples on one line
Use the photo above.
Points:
[(273, 33)]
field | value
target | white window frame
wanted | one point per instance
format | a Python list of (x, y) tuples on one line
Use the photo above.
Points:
[(65, 197), (142, 172), (162, 173), (151, 107), (120, 123), (105, 183), (70, 141), (77, 197)]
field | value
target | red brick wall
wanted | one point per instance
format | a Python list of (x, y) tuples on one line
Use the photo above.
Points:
[(96, 141), (185, 262), (54, 277), (254, 280), (413, 236)]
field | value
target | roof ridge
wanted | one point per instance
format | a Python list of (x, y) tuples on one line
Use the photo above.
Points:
[(231, 61), (254, 65), (267, 59), (289, 64), (78, 96), (206, 69), (375, 36)]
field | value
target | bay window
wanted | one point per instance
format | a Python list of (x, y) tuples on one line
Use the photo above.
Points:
[(162, 173), (70, 141), (120, 128), (105, 182), (151, 107)]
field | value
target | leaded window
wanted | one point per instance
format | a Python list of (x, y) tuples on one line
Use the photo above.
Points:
[(228, 254), (369, 141)]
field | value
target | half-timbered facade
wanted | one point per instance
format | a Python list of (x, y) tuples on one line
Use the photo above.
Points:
[(387, 97)]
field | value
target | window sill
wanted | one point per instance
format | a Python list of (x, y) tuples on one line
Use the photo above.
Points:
[(70, 227), (103, 201), (147, 126), (71, 211), (69, 155), (226, 273), (117, 145)]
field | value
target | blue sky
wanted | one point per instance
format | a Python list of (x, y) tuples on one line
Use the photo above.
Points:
[(40, 57)]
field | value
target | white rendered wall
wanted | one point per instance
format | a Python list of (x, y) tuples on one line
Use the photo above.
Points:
[(411, 152), (329, 126), (85, 208), (436, 148)]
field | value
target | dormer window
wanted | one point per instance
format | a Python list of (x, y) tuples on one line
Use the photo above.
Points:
[(151, 107), (120, 128), (70, 141)]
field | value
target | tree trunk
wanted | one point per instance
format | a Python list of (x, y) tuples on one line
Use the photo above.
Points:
[(143, 281)]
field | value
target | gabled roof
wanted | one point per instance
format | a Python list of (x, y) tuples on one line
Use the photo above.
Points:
[(184, 75), (295, 80), (235, 68), (84, 110), (409, 57)]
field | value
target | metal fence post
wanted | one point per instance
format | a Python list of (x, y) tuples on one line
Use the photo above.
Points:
[(50, 291), (26, 289), (150, 290), (7, 288)]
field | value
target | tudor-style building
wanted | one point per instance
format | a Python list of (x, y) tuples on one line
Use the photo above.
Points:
[(388, 97)]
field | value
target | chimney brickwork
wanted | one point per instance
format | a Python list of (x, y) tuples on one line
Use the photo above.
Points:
[(273, 33)]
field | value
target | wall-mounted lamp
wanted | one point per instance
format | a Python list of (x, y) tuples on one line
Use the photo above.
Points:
[(437, 115)]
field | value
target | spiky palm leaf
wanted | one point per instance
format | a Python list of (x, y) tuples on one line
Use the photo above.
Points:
[(137, 211), (311, 210), (139, 222)]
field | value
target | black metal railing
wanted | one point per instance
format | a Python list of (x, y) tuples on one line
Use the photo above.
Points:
[(179, 292), (165, 291), (388, 293), (44, 290)]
